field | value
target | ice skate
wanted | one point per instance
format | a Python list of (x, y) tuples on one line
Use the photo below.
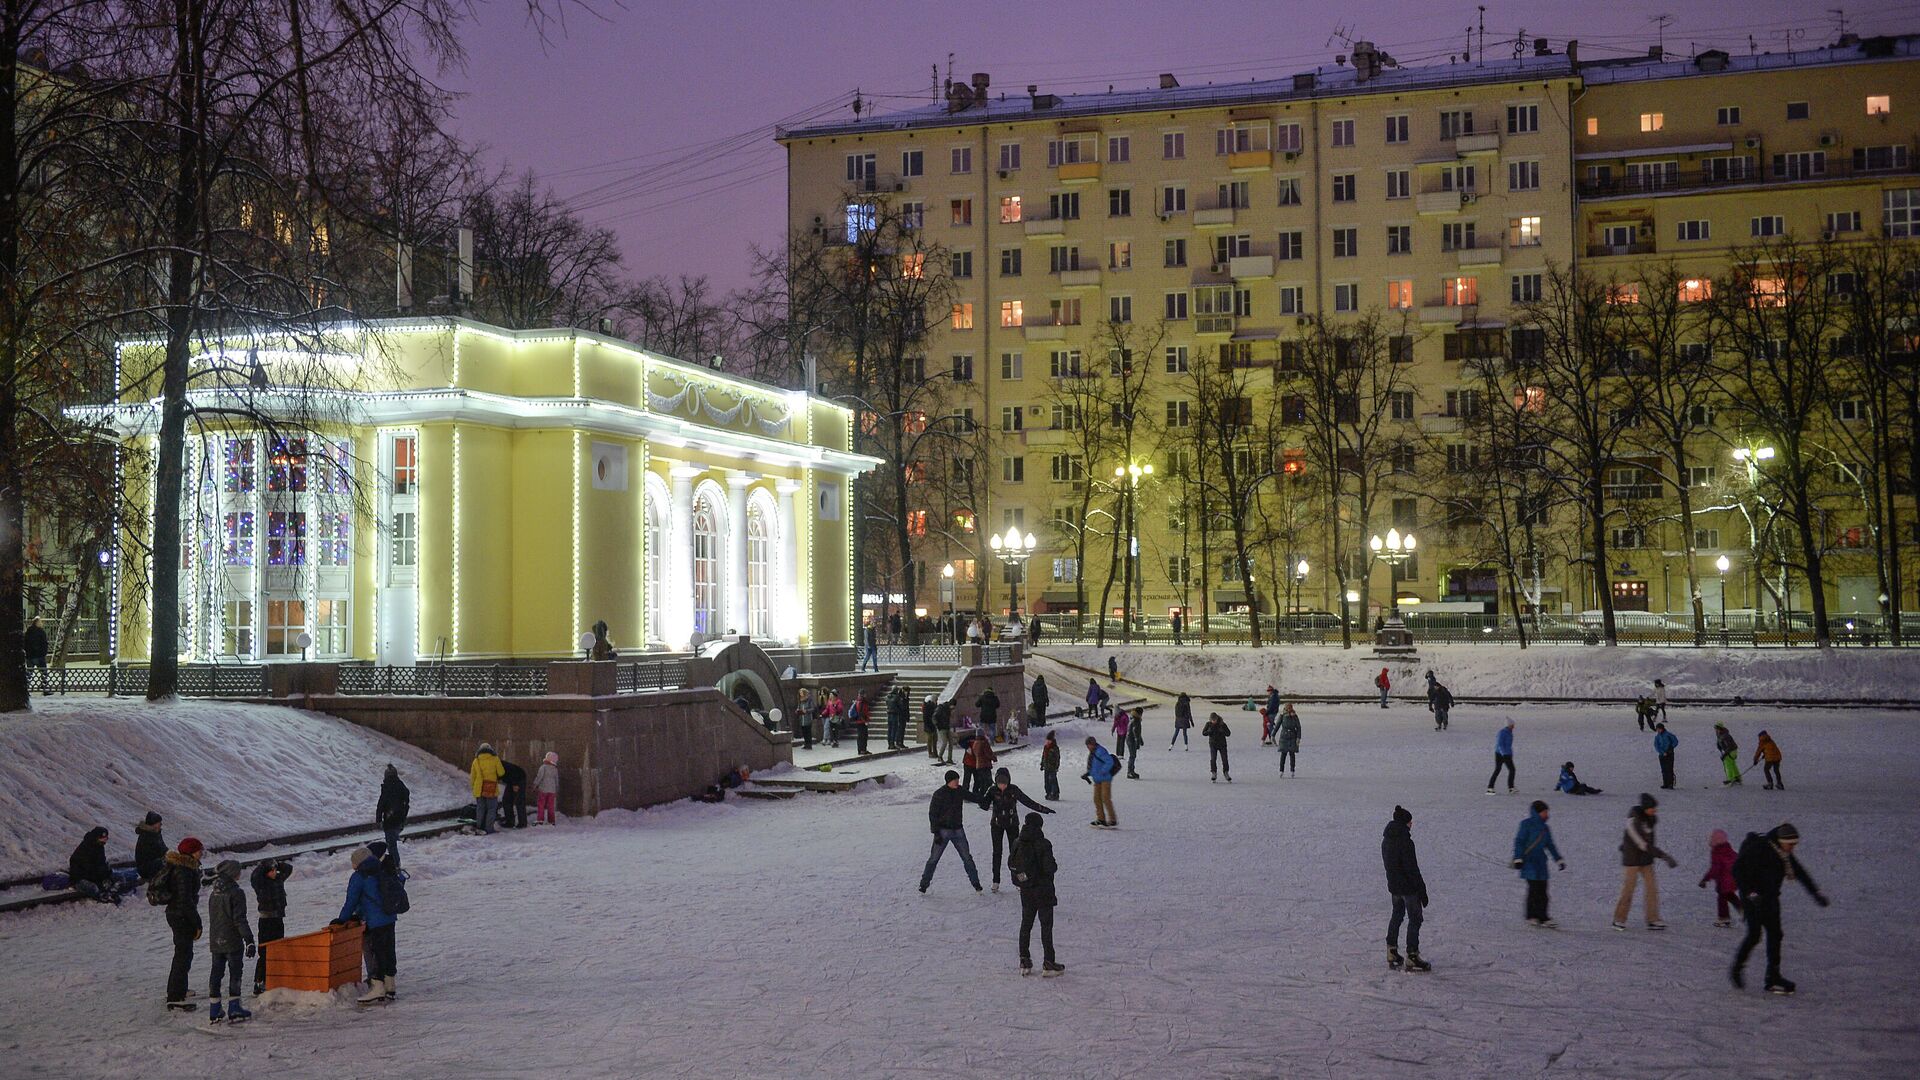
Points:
[(1026, 967), (996, 886), (1414, 963), (1393, 958), (216, 1011), (181, 1006), (1656, 925), (1781, 986), (1048, 971), (1618, 925), (238, 1013), (376, 993)]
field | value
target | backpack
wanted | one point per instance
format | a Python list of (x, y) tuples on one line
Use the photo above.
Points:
[(160, 889), (393, 889)]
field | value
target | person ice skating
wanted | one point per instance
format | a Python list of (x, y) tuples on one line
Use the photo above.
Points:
[(269, 881), (1003, 802), (513, 797), (1664, 743), (945, 813), (1431, 683), (1039, 696), (1216, 731), (989, 705), (1101, 767), (1638, 849), (1570, 782), (1050, 768), (367, 906), (391, 810), (1136, 738), (149, 847), (178, 887), (1032, 868), (1182, 721), (88, 871), (1729, 752), (1531, 846), (1113, 668), (1726, 894), (1763, 865), (980, 754), (1289, 740), (1093, 698), (1765, 749), (1384, 684), (1440, 701), (897, 709), (1502, 757), (1270, 718), (485, 773), (943, 729), (1407, 888), (228, 934), (546, 790), (1660, 698), (1643, 712), (1120, 722)]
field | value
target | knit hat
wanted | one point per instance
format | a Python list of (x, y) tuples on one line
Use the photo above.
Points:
[(1002, 776), (357, 856), (1717, 837), (486, 748), (228, 869), (1648, 802), (151, 818), (191, 846), (1402, 815), (1786, 831), (377, 848), (552, 758)]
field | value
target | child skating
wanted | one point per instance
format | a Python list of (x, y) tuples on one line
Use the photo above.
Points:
[(1729, 752), (1726, 895)]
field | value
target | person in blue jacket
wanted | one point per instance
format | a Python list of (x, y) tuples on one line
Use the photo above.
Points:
[(364, 907), (1663, 743), (1570, 782), (1531, 846), (1502, 755), (1101, 767)]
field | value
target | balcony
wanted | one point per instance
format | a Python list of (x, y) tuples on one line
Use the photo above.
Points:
[(1250, 267), (1639, 247), (1043, 328), (1438, 310), (1081, 278), (1250, 160), (1484, 142), (1038, 225), (1444, 201), (1220, 325), (1485, 252), (1441, 424), (1079, 172), (1213, 217), (1651, 183), (1632, 492)]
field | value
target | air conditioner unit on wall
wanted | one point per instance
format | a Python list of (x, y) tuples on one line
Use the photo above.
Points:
[(1828, 138), (1753, 142)]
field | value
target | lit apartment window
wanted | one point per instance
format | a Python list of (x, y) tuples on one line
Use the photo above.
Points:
[(240, 475), (1399, 184), (1120, 148), (1652, 121), (1009, 209), (1397, 129), (1768, 292), (1695, 229), (963, 316), (962, 211), (237, 543), (1399, 239), (1173, 145), (406, 466), (1009, 157), (1769, 225), (1593, 125), (1628, 293), (1879, 104), (1526, 288), (1011, 313), (1343, 132), (1120, 255), (962, 159), (1400, 294), (236, 628), (1695, 290), (1523, 176), (1523, 119), (1523, 232), (1460, 291), (1346, 297), (913, 162), (1727, 115), (913, 266), (1010, 259)]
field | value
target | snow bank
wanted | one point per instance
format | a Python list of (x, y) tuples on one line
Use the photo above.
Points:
[(1577, 672), (226, 773)]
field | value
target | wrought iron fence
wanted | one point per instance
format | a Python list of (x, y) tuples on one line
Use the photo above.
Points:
[(123, 680), (1279, 632), (926, 653), (996, 654), (650, 675), (445, 680)]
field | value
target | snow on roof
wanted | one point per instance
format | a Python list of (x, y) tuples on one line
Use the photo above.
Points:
[(1862, 50)]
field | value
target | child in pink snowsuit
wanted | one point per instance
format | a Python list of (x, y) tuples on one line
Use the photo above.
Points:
[(1720, 872), (1119, 732), (546, 787)]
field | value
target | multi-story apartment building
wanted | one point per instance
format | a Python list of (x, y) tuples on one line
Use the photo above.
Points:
[(1238, 218)]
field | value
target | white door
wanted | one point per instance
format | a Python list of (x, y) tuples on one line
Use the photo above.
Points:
[(396, 625)]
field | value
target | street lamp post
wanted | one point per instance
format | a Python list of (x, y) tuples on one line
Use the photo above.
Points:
[(946, 593), (1014, 550), (1722, 564), (1393, 551), (1130, 477), (1299, 585)]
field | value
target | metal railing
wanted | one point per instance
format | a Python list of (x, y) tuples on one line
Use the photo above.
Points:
[(1760, 172), (444, 680), (1632, 628), (926, 653), (996, 654), (125, 680), (650, 675)]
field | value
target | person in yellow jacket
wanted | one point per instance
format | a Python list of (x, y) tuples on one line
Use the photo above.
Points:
[(1769, 750), (486, 773)]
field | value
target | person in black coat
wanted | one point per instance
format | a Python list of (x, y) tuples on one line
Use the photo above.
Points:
[(179, 882), (897, 710), (513, 797), (1003, 802), (34, 644), (1407, 887), (390, 813), (1216, 731), (87, 868), (1040, 700), (149, 847), (1764, 864), (270, 903), (989, 705), (1033, 868), (946, 814)]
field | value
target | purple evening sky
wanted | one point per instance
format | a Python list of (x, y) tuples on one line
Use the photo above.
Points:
[(656, 119)]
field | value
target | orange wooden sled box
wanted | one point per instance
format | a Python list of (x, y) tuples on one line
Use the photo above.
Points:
[(326, 959)]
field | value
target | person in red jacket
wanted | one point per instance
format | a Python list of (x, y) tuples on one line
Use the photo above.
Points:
[(859, 713), (1385, 684), (1720, 873)]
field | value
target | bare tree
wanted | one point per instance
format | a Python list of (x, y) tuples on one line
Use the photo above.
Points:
[(536, 263), (1234, 433)]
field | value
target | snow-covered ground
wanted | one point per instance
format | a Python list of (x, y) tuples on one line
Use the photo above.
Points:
[(1220, 931), (1572, 671), (226, 773)]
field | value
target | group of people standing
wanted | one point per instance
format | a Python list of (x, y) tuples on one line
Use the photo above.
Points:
[(500, 791)]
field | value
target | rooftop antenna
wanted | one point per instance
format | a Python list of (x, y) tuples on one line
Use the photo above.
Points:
[(1788, 37), (1483, 37), (936, 80), (1520, 43), (1840, 20), (1660, 23), (1342, 33), (857, 104)]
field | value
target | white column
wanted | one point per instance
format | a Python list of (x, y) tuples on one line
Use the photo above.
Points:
[(676, 607), (791, 608), (736, 609)]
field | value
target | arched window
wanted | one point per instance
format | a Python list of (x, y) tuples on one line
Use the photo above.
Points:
[(656, 583), (706, 567), (759, 570)]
